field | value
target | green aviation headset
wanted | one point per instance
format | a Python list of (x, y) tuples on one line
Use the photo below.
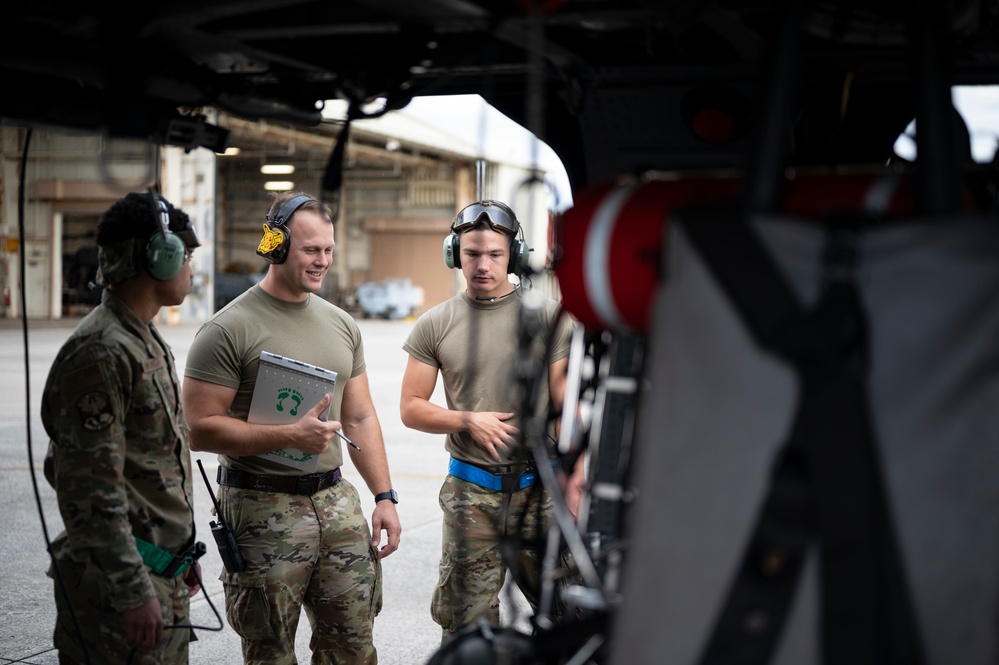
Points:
[(500, 217), (276, 241), (165, 251)]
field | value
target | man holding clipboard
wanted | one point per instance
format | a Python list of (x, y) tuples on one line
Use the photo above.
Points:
[(302, 536)]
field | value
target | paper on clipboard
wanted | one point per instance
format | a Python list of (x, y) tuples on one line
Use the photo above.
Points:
[(286, 389)]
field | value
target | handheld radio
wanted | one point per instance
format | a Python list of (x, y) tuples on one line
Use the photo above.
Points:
[(232, 559)]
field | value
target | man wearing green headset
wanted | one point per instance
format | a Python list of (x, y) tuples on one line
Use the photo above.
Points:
[(119, 456)]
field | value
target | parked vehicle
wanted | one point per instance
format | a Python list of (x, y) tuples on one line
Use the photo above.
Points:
[(389, 299)]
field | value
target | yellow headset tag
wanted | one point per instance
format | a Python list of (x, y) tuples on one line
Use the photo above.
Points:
[(272, 240)]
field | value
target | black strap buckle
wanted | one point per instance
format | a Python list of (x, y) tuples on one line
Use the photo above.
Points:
[(515, 469), (180, 563), (308, 485)]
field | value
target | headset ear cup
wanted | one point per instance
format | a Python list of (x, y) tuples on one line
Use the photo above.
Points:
[(519, 252), (281, 253), (452, 253), (274, 244), (276, 241), (165, 256)]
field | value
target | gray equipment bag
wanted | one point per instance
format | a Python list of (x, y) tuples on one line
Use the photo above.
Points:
[(875, 536)]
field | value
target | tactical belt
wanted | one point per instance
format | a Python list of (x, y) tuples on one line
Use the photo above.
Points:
[(498, 477), (308, 485), (164, 563)]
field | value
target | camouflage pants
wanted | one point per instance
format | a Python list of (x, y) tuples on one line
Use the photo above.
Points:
[(300, 551), (103, 628), (472, 571)]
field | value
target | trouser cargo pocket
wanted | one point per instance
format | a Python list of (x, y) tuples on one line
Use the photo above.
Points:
[(247, 608), (442, 604)]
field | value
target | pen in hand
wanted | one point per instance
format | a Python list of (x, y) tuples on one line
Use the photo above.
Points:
[(349, 442), (341, 435)]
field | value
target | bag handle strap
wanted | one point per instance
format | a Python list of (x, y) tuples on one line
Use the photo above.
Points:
[(827, 487)]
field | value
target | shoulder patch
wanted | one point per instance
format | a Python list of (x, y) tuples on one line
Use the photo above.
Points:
[(95, 411)]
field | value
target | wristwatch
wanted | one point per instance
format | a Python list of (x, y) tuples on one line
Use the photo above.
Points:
[(390, 495)]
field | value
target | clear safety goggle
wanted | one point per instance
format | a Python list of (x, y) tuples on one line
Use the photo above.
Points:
[(498, 216)]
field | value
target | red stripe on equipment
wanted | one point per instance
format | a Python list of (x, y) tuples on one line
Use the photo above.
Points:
[(608, 245)]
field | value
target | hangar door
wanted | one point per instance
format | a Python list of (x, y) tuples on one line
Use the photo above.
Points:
[(412, 249)]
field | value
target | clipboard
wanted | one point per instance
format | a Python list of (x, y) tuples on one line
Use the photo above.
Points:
[(286, 389)]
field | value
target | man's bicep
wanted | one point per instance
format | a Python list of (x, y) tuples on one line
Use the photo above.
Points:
[(90, 446), (203, 399), (419, 380)]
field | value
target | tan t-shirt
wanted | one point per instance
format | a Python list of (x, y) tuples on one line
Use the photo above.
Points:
[(475, 345), (226, 351)]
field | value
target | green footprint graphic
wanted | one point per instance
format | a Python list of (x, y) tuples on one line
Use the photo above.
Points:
[(282, 396)]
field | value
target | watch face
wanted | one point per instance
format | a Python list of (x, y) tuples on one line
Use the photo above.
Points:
[(390, 495)]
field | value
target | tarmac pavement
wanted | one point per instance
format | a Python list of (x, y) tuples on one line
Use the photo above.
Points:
[(404, 631)]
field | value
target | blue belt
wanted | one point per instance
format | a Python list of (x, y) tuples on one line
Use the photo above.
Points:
[(491, 481)]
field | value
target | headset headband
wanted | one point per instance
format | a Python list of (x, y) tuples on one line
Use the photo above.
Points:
[(288, 209), (161, 207), (164, 214)]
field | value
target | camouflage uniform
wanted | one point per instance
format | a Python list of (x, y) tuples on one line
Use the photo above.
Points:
[(120, 463), (334, 570), (472, 569)]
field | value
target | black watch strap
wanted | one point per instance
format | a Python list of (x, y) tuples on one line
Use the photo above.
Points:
[(390, 495)]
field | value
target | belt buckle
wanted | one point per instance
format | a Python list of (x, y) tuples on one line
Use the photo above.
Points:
[(507, 470), (510, 476), (307, 485)]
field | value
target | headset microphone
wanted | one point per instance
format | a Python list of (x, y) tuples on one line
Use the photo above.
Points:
[(495, 298)]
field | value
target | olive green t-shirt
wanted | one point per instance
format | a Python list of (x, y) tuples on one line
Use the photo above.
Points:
[(475, 345), (226, 351)]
